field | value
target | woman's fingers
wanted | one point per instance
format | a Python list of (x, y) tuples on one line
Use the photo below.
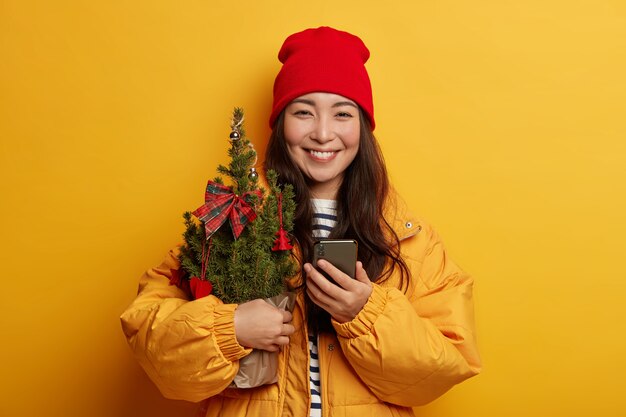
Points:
[(361, 275), (326, 286), (287, 316), (262, 326), (343, 280), (288, 330), (343, 301), (319, 288)]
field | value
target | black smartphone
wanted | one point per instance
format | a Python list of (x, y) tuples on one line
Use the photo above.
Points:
[(342, 253)]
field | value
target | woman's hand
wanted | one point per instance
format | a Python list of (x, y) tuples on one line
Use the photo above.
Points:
[(260, 325), (344, 300)]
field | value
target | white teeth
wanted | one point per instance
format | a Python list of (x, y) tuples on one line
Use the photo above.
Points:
[(322, 155)]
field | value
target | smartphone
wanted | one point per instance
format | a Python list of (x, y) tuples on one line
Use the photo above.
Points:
[(341, 253)]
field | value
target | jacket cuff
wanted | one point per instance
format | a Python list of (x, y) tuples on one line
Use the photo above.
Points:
[(364, 321), (224, 331)]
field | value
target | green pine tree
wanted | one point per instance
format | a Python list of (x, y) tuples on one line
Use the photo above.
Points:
[(245, 268)]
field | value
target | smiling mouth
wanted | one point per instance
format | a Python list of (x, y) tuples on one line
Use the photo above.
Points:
[(322, 155)]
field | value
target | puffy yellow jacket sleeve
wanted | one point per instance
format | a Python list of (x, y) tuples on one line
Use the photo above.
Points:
[(188, 348), (411, 348)]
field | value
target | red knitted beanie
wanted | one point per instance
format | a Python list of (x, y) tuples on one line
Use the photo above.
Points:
[(323, 60)]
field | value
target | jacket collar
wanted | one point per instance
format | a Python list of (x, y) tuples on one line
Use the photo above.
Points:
[(403, 222)]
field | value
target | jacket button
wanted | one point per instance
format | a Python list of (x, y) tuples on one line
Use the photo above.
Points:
[(409, 225), (331, 347)]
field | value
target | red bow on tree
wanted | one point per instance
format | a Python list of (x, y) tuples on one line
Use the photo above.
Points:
[(221, 203)]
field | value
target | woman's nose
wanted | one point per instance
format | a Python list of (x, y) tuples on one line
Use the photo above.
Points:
[(323, 131)]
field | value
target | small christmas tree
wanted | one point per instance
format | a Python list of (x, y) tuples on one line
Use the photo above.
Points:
[(249, 257)]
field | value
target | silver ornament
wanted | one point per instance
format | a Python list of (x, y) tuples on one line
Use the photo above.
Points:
[(253, 175)]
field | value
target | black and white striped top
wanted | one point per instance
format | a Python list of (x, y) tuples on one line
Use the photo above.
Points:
[(314, 378), (324, 219)]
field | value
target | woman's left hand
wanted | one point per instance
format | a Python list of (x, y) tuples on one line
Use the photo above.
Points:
[(345, 299)]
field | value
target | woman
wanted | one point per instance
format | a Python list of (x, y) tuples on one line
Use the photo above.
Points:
[(398, 335)]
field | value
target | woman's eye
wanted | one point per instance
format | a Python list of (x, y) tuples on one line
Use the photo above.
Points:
[(302, 113), (344, 114)]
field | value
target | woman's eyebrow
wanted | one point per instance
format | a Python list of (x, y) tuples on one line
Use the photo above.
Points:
[(312, 103), (344, 103)]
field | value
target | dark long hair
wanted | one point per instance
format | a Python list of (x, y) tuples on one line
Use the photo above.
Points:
[(360, 202)]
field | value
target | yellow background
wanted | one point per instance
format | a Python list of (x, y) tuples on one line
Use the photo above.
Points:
[(502, 122)]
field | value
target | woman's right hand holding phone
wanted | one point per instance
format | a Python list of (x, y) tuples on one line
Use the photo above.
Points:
[(343, 300)]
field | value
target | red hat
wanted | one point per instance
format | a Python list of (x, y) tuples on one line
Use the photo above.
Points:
[(326, 60)]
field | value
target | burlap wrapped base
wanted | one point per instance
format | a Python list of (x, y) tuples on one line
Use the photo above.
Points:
[(260, 367)]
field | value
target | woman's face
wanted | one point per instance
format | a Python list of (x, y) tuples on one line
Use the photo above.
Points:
[(322, 134)]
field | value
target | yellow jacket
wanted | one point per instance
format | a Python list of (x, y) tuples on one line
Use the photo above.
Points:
[(402, 349)]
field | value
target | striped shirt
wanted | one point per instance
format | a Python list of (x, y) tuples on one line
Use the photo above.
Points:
[(324, 219), (314, 378)]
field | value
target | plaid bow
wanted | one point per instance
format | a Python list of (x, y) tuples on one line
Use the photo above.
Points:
[(221, 203)]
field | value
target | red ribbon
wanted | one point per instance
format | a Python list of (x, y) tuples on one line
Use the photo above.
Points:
[(282, 241), (221, 204), (198, 287)]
